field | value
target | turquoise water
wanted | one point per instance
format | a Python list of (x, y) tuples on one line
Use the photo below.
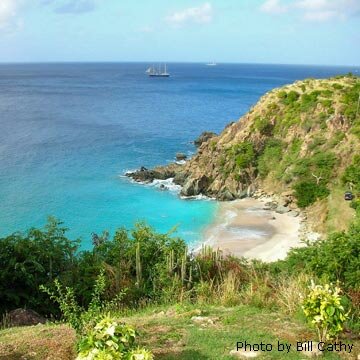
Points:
[(69, 131)]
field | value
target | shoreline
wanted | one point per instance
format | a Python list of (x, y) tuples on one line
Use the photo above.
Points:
[(246, 228)]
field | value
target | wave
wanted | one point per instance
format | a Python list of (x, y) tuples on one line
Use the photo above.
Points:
[(167, 184)]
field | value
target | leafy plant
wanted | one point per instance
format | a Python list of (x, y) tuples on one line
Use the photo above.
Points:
[(31, 259), (109, 340), (263, 125), (351, 176), (324, 310), (243, 154), (74, 314), (307, 192), (270, 157)]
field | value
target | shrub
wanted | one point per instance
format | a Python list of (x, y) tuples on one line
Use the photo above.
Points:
[(351, 175), (307, 192), (350, 99), (324, 310), (337, 86), (336, 258), (263, 125), (31, 259), (111, 341), (336, 139), (243, 154), (74, 314), (270, 157), (309, 101), (320, 164), (317, 142)]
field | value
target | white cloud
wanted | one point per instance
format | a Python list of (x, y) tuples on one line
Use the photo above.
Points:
[(8, 9), (315, 10), (273, 7), (320, 15), (322, 10), (202, 14)]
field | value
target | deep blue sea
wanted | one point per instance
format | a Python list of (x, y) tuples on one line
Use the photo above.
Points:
[(68, 131)]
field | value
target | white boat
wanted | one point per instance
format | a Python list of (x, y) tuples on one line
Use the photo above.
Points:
[(213, 63), (153, 72)]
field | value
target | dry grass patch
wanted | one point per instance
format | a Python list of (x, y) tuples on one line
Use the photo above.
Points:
[(40, 342)]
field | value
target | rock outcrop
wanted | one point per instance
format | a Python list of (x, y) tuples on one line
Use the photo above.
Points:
[(25, 317), (204, 137)]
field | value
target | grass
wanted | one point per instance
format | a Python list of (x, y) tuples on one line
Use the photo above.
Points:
[(171, 334), (40, 342), (340, 214)]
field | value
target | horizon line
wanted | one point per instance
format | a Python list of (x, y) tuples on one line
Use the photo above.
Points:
[(167, 62)]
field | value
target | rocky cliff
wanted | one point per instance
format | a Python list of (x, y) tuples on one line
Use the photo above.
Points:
[(298, 139)]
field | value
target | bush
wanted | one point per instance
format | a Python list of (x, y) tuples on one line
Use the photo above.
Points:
[(263, 125), (350, 99), (75, 315), (307, 192), (336, 258), (243, 154), (288, 98), (351, 175), (309, 101), (324, 310), (31, 259), (111, 341), (270, 157)]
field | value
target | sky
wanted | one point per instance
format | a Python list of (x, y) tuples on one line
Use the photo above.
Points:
[(324, 32)]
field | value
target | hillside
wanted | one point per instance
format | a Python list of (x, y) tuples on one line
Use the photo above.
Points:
[(298, 139), (184, 332)]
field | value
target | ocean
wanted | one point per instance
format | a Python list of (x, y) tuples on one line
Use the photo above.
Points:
[(68, 132)]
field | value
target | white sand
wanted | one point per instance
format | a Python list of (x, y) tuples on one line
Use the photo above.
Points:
[(243, 228)]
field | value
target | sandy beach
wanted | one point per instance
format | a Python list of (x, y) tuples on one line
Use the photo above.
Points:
[(243, 228)]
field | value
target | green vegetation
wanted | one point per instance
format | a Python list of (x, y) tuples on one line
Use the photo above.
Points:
[(270, 157), (301, 139), (307, 192), (351, 176), (350, 100), (263, 125), (243, 154), (111, 341), (324, 310)]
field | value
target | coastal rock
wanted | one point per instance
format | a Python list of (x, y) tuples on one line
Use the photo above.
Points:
[(25, 317), (188, 188), (205, 136), (193, 187), (282, 209), (161, 173), (294, 213), (144, 175), (243, 194), (226, 195), (271, 205), (180, 178), (180, 156)]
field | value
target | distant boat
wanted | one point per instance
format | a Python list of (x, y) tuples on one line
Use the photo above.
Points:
[(213, 63), (152, 71)]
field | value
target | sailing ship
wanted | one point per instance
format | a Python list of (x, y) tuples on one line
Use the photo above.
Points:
[(213, 63), (152, 71)]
